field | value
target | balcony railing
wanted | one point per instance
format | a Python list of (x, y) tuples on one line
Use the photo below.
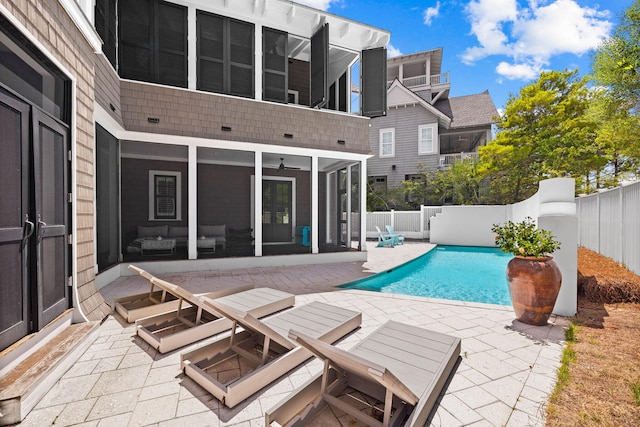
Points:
[(424, 80), (449, 159)]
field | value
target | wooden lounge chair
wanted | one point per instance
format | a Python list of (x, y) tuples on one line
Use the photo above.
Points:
[(196, 321), (233, 368), (385, 239), (158, 300), (400, 368), (399, 238)]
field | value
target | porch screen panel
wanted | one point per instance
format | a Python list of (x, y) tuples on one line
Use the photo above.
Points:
[(105, 19), (172, 44), (210, 47), (275, 65), (374, 82), (107, 199), (320, 67), (241, 58), (135, 18)]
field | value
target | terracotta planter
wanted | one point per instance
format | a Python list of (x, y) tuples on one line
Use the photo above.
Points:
[(534, 284)]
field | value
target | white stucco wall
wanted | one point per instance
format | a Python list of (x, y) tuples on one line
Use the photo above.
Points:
[(466, 225), (552, 208)]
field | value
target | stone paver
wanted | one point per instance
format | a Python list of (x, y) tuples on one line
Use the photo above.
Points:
[(506, 372)]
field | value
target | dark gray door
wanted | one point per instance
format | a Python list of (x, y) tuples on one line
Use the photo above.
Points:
[(276, 211), (50, 179), (15, 223)]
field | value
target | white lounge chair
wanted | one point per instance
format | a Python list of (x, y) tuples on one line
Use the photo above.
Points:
[(402, 369), (233, 368), (156, 301), (193, 321)]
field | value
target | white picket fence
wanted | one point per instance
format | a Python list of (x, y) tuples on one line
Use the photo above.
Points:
[(609, 223), (411, 224)]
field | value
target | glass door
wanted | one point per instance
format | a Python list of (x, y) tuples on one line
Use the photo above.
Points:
[(277, 211), (15, 223)]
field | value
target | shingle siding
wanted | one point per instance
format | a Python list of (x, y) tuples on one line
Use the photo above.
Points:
[(199, 114), (405, 121)]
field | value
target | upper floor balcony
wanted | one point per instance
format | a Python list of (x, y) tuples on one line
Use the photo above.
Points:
[(275, 51), (434, 82)]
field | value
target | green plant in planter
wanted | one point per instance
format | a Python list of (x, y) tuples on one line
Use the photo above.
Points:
[(525, 239)]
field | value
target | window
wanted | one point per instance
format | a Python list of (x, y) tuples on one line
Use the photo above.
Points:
[(387, 142), (225, 54), (153, 42), (165, 199), (378, 183), (427, 135)]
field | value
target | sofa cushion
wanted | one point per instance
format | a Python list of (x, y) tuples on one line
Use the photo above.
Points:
[(178, 231), (158, 230), (212, 230)]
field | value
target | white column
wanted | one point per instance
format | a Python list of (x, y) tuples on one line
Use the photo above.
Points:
[(191, 49), (257, 63), (193, 202), (257, 204), (314, 205), (349, 207), (363, 205)]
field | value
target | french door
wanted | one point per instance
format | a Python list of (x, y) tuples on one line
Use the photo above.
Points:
[(277, 211), (33, 219)]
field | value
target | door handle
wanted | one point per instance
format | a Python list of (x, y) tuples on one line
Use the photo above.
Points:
[(41, 225), (27, 230)]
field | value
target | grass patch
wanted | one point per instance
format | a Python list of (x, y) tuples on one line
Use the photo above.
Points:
[(635, 390), (568, 356)]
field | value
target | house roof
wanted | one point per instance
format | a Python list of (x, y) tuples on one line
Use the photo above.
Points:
[(399, 95), (469, 110)]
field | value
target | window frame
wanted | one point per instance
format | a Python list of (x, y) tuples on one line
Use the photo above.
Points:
[(434, 139), (226, 61), (152, 195), (392, 131)]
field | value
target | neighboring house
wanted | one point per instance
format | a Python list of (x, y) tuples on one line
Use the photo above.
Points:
[(184, 119), (424, 127)]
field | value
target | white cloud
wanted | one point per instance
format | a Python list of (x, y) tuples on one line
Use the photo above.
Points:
[(392, 51), (530, 35), (518, 71), (430, 13)]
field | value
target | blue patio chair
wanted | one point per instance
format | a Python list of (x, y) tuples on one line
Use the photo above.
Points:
[(385, 239), (399, 238)]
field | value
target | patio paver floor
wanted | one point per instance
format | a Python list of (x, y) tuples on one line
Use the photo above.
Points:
[(506, 373)]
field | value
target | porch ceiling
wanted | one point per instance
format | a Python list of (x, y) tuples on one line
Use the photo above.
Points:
[(179, 153)]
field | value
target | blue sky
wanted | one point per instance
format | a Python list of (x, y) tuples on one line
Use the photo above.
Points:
[(499, 45)]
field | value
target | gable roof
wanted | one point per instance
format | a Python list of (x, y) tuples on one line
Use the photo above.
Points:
[(398, 95), (469, 110)]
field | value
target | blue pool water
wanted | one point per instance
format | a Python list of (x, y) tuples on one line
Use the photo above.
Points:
[(448, 272)]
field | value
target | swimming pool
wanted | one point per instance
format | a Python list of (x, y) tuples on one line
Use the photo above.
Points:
[(448, 272)]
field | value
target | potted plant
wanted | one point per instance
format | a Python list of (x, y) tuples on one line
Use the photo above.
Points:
[(534, 278)]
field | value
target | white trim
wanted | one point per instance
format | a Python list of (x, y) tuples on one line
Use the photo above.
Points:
[(83, 22), (382, 132), (434, 138), (192, 191), (192, 51), (178, 175), (315, 247), (296, 95)]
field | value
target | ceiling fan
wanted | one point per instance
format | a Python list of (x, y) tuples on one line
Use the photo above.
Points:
[(283, 167)]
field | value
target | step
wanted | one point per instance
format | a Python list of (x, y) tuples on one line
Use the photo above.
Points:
[(22, 388)]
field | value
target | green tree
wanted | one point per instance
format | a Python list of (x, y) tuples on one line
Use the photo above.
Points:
[(616, 63), (544, 132), (616, 68)]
